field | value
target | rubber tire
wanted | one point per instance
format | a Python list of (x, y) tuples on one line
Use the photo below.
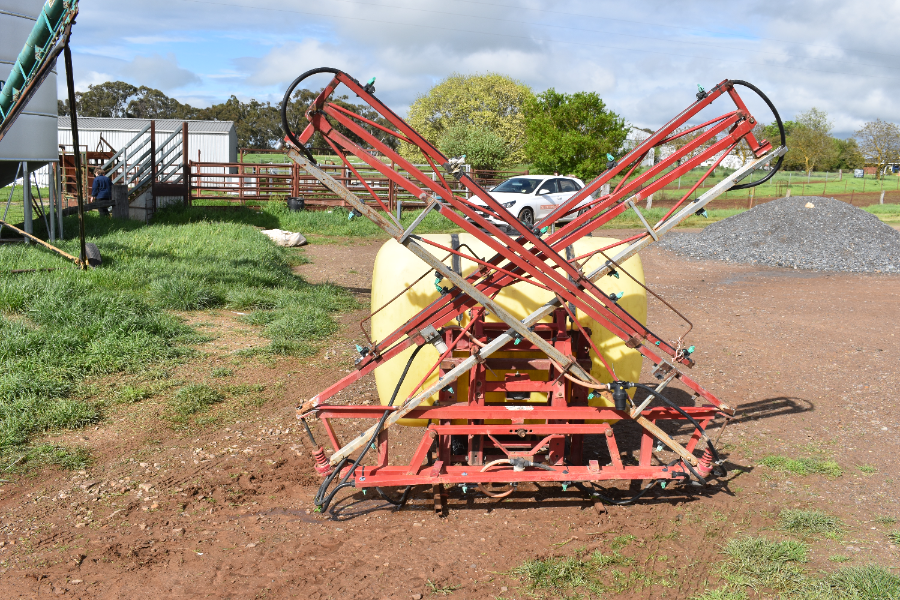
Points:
[(526, 217), (93, 255)]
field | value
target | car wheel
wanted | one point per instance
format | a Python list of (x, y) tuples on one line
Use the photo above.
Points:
[(526, 217)]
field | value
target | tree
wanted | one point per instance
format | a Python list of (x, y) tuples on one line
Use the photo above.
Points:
[(149, 103), (258, 124), (491, 102), (846, 155), (879, 142), (108, 99), (810, 140), (571, 133), (483, 148)]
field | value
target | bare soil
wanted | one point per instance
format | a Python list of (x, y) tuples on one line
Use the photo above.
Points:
[(224, 510)]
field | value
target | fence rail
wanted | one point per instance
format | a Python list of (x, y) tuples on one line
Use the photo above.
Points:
[(243, 183)]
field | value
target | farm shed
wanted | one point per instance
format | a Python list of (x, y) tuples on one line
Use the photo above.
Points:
[(215, 141)]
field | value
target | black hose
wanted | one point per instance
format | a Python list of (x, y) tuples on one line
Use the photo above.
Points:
[(403, 497), (696, 425), (595, 494), (693, 421), (287, 98), (771, 106), (321, 500)]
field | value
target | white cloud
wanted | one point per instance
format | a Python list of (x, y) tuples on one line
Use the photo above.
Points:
[(645, 59), (158, 71)]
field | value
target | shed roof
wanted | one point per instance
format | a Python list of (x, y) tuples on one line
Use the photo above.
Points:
[(135, 125)]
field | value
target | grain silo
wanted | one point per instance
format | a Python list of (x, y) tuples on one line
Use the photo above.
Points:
[(32, 141)]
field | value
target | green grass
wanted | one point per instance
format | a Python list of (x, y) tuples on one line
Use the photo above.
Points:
[(193, 399), (16, 213), (858, 583), (820, 184), (722, 594), (311, 223), (443, 590), (810, 522), (597, 573), (31, 457), (894, 536), (775, 569), (131, 394), (59, 328), (839, 558), (886, 520), (562, 575), (867, 469), (889, 213), (802, 466), (756, 562)]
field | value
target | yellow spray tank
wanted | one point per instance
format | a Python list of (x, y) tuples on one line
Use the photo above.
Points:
[(396, 267)]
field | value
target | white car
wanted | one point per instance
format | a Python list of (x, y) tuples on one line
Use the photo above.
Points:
[(530, 198)]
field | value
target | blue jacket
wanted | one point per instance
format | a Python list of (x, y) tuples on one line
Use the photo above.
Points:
[(102, 188)]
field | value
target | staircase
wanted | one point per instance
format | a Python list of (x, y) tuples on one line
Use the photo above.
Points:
[(155, 171)]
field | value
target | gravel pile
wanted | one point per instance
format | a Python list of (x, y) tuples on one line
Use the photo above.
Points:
[(830, 235)]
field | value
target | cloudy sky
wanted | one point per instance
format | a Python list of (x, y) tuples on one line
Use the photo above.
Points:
[(645, 59)]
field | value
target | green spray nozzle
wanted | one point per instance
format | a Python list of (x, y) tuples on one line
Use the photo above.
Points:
[(613, 273), (438, 278)]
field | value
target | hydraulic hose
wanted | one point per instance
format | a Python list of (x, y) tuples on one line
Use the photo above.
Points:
[(287, 99), (321, 500), (693, 421), (595, 494), (771, 106), (389, 500)]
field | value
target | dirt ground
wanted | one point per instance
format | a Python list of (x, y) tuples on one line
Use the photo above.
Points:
[(225, 510)]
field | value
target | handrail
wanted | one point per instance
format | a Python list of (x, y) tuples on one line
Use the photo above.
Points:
[(127, 146)]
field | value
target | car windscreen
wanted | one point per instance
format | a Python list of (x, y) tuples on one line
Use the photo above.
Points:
[(517, 185)]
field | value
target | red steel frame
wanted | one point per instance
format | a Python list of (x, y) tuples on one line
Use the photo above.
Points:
[(535, 258)]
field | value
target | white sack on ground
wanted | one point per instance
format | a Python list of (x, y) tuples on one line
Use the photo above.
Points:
[(288, 239)]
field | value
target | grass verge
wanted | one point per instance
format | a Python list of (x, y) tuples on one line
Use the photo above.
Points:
[(61, 327)]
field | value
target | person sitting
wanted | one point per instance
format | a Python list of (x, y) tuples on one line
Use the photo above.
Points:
[(102, 189)]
